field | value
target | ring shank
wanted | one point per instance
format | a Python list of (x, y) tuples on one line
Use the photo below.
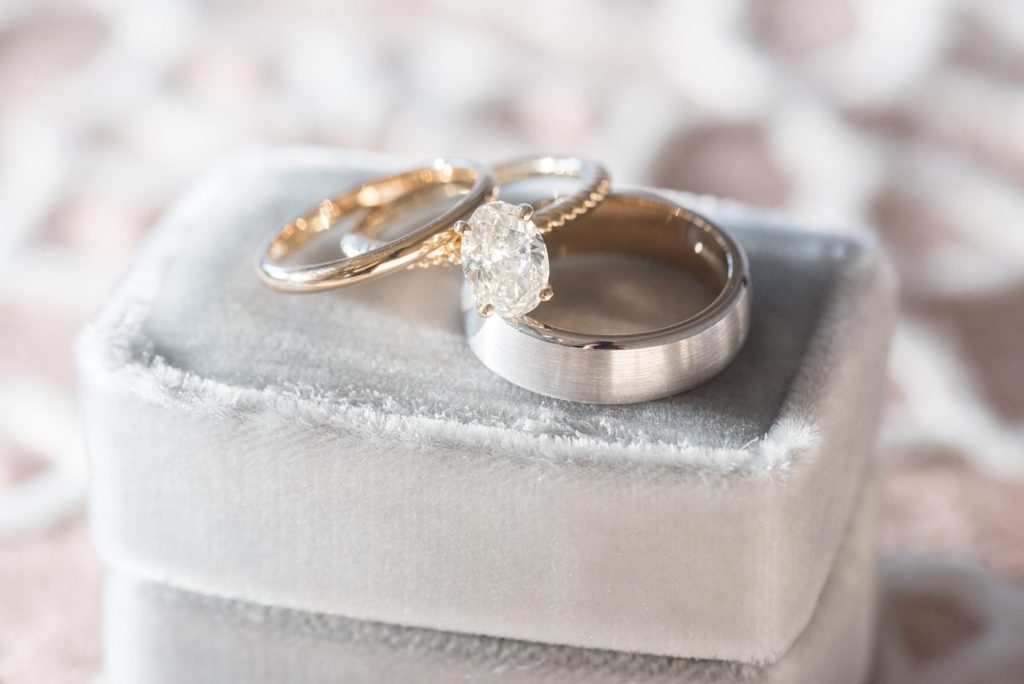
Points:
[(433, 236), (594, 187), (550, 213), (627, 368)]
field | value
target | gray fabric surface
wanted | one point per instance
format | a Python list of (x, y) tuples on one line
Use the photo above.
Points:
[(346, 453), (157, 634)]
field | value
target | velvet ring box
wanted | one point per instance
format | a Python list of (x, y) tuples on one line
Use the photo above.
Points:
[(346, 454), (156, 634)]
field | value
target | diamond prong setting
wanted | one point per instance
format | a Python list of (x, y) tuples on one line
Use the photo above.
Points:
[(505, 260)]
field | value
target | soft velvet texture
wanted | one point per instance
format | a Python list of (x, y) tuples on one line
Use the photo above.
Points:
[(345, 453), (157, 634)]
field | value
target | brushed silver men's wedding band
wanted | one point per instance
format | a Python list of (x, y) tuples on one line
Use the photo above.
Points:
[(627, 368)]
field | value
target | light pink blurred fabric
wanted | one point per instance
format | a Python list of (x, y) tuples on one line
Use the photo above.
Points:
[(905, 116)]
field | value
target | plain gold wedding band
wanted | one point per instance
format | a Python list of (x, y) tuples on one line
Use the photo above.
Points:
[(435, 237)]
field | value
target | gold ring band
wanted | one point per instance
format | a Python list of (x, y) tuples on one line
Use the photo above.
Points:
[(594, 187), (511, 285), (596, 184), (436, 235)]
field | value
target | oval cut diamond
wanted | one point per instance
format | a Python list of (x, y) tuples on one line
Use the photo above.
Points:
[(504, 259)]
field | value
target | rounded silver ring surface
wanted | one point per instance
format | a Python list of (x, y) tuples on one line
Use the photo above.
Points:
[(627, 368)]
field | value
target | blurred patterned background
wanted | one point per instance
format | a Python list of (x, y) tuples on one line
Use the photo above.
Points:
[(906, 116)]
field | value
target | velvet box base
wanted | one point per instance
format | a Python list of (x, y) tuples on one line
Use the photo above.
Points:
[(160, 635), (345, 453)]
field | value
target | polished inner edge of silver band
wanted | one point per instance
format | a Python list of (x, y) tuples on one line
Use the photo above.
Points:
[(627, 368)]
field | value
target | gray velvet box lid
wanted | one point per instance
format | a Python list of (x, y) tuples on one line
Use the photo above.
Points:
[(346, 454)]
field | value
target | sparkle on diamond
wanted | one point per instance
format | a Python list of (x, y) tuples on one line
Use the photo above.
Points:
[(504, 259)]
